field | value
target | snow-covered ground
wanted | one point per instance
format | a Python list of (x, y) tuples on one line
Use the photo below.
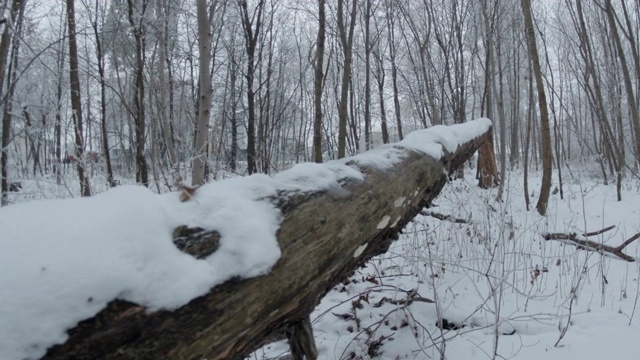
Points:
[(517, 295), (503, 290), (481, 274)]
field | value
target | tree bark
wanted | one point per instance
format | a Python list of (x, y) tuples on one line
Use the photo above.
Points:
[(103, 100), (487, 168), (165, 11), (628, 86), (319, 74), (346, 42), (324, 237), (5, 43), (76, 103), (142, 171), (390, 18), (545, 187), (204, 98), (251, 41), (367, 76)]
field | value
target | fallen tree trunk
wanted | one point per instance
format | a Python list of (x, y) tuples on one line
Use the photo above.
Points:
[(324, 236)]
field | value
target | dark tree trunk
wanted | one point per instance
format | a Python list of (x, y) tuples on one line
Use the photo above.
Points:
[(103, 102), (547, 159), (5, 43), (76, 103), (142, 172), (324, 237), (251, 41), (390, 16), (318, 73), (487, 168), (346, 42), (367, 77)]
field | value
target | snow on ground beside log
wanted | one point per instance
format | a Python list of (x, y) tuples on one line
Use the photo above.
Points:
[(64, 260), (483, 276)]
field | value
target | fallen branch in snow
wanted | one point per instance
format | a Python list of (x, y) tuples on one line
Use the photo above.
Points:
[(324, 236), (585, 244), (444, 217), (412, 296)]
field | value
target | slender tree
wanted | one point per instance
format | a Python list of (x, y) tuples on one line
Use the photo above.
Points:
[(633, 108), (205, 92), (545, 188), (317, 85), (5, 43), (367, 75), (103, 97), (76, 102), (164, 11), (251, 37), (346, 41), (139, 34)]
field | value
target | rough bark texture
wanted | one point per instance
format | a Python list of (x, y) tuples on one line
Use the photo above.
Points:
[(138, 30), (317, 85), (324, 237), (5, 42), (346, 42), (487, 168), (76, 103)]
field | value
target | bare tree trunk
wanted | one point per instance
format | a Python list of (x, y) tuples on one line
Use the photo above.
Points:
[(530, 112), (593, 89), (346, 41), (367, 76), (58, 124), (545, 188), (487, 169), (499, 92), (5, 42), (390, 15), (103, 100), (251, 41), (233, 119), (633, 108), (142, 172), (380, 80), (76, 103), (319, 74), (163, 36), (204, 98)]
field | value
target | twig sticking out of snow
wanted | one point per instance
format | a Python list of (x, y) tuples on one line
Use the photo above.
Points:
[(572, 238), (444, 217)]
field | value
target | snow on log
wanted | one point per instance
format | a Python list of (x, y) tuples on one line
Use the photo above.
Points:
[(238, 264)]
